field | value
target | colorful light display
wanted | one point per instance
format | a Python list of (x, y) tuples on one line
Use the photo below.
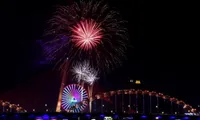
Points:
[(74, 98)]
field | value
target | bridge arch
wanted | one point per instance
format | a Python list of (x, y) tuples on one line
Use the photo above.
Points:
[(6, 106), (139, 101)]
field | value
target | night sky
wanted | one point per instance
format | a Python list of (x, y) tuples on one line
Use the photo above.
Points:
[(165, 52)]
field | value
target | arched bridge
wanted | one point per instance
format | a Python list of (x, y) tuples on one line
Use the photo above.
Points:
[(6, 106), (139, 101)]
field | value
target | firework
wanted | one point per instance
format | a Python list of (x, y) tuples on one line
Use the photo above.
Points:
[(84, 72), (86, 34), (96, 33)]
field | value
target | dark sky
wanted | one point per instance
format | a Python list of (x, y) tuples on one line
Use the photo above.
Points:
[(165, 53)]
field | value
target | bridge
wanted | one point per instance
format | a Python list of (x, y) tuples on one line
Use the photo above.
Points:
[(6, 107), (139, 101)]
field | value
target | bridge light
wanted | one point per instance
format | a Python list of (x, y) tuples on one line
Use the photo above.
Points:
[(156, 106), (158, 117)]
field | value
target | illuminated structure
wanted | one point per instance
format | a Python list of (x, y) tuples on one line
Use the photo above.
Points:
[(137, 82), (74, 98), (6, 106), (139, 101)]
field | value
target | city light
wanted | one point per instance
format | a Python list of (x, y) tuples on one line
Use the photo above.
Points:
[(137, 82)]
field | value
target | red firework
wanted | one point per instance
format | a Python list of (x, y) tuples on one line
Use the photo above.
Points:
[(86, 34)]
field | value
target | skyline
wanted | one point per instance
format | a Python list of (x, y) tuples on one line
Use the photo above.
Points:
[(148, 60)]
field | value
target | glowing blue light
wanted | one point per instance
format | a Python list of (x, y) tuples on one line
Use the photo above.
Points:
[(129, 118), (102, 115), (87, 115), (16, 115), (172, 117), (198, 118), (60, 116), (45, 117), (3, 115), (158, 117), (115, 116), (31, 116), (38, 118), (186, 118), (53, 117), (143, 117)]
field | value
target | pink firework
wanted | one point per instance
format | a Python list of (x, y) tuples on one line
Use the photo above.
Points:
[(86, 34)]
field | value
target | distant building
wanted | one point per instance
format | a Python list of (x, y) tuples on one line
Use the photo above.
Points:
[(135, 81)]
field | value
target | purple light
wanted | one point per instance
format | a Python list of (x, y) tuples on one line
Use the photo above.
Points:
[(60, 116), (31, 116), (116, 116), (172, 117), (45, 117), (102, 115), (158, 117), (88, 115), (143, 117), (186, 118), (49, 49)]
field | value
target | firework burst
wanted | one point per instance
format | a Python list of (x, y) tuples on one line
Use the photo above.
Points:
[(84, 72), (96, 33), (86, 34)]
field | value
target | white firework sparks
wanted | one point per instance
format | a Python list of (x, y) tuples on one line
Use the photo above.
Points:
[(84, 72)]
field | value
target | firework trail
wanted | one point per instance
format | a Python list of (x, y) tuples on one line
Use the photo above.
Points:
[(96, 33)]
